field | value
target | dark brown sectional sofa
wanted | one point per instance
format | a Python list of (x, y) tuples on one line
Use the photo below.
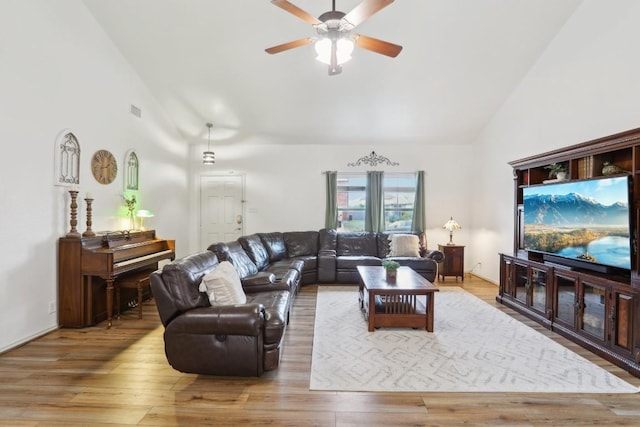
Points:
[(246, 339)]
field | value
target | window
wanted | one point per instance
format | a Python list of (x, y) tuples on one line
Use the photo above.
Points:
[(351, 201), (399, 198)]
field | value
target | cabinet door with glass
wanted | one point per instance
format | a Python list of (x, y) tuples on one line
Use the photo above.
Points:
[(565, 298), (592, 316), (530, 285), (538, 289), (520, 282)]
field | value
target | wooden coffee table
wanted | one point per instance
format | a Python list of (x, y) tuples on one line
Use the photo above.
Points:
[(396, 304)]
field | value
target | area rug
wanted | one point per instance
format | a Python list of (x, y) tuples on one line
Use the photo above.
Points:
[(474, 348)]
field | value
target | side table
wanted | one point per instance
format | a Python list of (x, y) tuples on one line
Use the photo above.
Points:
[(453, 264)]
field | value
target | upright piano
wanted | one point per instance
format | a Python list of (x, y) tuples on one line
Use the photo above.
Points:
[(90, 267)]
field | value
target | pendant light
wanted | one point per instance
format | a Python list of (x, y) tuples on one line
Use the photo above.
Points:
[(208, 157)]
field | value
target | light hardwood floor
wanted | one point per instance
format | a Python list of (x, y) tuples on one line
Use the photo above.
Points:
[(95, 377)]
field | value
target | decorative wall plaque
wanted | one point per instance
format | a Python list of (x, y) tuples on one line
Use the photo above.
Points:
[(373, 160), (67, 159), (131, 171)]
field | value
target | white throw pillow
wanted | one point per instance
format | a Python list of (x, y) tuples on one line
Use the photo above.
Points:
[(223, 286), (404, 245)]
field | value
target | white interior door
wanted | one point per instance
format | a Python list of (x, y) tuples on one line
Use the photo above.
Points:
[(221, 209)]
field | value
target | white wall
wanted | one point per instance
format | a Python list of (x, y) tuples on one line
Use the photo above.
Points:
[(59, 71), (583, 87), (285, 186)]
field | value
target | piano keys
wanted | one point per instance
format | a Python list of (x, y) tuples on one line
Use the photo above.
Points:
[(90, 267)]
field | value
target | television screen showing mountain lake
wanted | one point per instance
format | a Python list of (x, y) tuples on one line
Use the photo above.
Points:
[(610, 250)]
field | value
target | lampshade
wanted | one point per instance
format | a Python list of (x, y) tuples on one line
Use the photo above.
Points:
[(142, 214), (344, 49), (451, 225), (208, 157)]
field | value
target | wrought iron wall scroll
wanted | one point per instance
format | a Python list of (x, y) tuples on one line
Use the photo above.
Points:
[(67, 159), (373, 159)]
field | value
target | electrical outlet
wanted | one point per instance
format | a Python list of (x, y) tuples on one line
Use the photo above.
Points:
[(52, 307)]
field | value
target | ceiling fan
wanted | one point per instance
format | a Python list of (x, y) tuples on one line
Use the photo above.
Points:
[(335, 42)]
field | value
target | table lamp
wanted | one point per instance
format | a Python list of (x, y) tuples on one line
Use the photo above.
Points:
[(451, 225), (142, 214)]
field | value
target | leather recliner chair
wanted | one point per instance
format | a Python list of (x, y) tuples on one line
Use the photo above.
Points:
[(235, 340)]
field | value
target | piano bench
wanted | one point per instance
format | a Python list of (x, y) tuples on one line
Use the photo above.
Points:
[(139, 282)]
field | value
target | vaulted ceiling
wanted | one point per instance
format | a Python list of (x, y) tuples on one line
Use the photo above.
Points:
[(204, 61)]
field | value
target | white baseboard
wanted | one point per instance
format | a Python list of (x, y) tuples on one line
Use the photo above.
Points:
[(483, 278), (27, 339)]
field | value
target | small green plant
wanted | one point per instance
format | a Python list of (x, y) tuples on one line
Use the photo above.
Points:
[(130, 203), (555, 169), (391, 265)]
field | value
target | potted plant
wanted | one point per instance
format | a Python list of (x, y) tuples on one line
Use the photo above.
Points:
[(131, 208), (557, 170), (392, 269)]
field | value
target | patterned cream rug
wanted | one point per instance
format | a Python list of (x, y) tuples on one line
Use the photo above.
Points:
[(474, 348)]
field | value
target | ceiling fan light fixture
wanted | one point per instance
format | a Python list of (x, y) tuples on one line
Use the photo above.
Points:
[(344, 49)]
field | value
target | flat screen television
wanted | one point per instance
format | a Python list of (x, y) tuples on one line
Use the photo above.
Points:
[(584, 224)]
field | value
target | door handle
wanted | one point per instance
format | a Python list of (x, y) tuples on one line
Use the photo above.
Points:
[(238, 219)]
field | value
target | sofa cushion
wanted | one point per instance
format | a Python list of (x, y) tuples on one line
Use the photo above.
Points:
[(223, 286), (263, 281), (417, 264), (261, 278), (274, 243), (183, 276), (404, 245), (306, 263), (276, 306), (357, 244), (254, 247), (352, 262), (383, 244), (301, 243), (327, 239), (287, 271), (233, 252), (286, 264)]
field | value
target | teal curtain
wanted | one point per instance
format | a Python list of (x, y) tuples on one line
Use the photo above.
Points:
[(374, 208), (331, 214), (419, 223)]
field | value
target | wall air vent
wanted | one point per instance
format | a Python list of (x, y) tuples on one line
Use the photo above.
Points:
[(136, 111)]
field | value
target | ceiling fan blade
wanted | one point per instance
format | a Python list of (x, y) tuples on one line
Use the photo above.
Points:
[(290, 45), (364, 10), (378, 46), (295, 10)]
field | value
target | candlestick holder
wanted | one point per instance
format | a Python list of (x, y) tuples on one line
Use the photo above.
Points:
[(74, 215), (89, 232)]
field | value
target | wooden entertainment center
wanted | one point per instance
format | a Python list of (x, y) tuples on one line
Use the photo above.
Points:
[(598, 310)]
